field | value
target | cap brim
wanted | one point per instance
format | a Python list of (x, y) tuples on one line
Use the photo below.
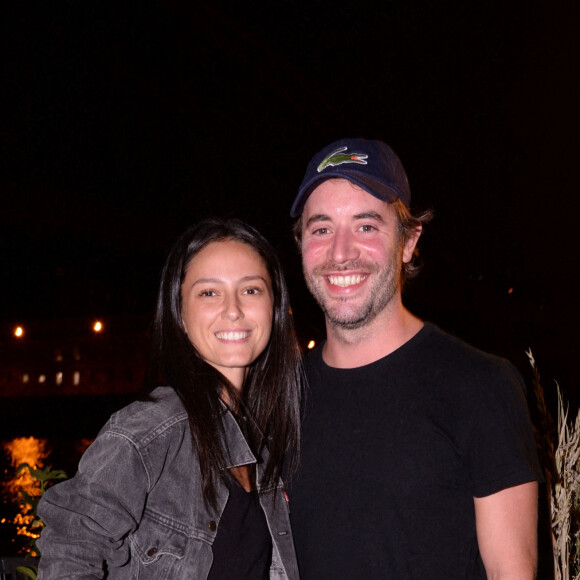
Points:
[(373, 187)]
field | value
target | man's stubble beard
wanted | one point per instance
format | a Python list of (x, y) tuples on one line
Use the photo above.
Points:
[(384, 287)]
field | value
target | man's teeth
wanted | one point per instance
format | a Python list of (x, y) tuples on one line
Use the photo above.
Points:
[(344, 281), (239, 335)]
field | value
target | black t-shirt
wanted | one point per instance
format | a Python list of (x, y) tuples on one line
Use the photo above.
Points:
[(242, 549), (395, 451)]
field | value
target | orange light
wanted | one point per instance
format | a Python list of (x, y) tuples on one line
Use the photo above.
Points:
[(98, 326), (511, 291), (23, 450), (19, 332), (311, 344)]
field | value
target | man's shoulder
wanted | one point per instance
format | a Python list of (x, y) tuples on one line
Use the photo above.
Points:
[(428, 350), (450, 345), (429, 354), (451, 357)]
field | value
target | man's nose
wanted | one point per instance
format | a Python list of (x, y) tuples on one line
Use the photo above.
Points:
[(344, 247)]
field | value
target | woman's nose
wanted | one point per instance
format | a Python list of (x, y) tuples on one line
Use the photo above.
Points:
[(232, 309)]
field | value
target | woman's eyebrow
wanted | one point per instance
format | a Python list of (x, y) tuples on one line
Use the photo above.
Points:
[(207, 281), (249, 278)]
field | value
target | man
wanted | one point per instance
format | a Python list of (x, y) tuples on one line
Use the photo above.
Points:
[(418, 455)]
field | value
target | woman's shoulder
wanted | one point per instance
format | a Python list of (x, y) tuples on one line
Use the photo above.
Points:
[(144, 420)]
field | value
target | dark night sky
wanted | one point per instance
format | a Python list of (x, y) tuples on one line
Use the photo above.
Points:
[(122, 123)]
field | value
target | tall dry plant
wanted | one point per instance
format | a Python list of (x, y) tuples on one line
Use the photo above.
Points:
[(559, 450)]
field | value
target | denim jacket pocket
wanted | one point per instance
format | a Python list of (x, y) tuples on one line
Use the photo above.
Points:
[(156, 549)]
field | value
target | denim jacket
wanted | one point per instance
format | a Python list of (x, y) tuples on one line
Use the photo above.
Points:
[(135, 509)]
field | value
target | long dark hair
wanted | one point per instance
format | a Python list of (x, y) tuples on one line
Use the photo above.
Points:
[(269, 403)]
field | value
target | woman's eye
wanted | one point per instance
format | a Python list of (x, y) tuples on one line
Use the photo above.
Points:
[(253, 291), (207, 293)]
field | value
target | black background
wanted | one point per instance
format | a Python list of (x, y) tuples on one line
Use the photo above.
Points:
[(122, 123)]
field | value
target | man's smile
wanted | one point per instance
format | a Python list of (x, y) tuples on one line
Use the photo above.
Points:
[(345, 281)]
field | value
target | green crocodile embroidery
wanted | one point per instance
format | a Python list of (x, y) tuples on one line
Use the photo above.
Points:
[(338, 158)]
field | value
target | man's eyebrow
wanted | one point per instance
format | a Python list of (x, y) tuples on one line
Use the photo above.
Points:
[(369, 215), (366, 215), (319, 217)]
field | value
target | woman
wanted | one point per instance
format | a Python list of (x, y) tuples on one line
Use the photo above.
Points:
[(186, 484)]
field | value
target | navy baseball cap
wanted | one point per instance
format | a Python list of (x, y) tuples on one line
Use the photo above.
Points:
[(372, 165)]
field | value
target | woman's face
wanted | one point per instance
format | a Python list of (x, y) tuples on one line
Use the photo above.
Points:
[(227, 306)]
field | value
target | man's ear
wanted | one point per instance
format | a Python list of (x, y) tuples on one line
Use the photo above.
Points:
[(297, 233), (411, 243), (298, 241)]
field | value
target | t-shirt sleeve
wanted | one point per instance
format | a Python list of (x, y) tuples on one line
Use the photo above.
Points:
[(501, 449)]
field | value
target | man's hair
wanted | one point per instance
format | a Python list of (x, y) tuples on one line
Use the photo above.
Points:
[(268, 405), (408, 224)]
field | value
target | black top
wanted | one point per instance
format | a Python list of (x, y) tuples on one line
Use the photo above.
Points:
[(394, 453), (242, 549)]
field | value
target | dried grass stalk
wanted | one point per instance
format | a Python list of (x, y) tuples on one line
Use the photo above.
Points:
[(560, 454)]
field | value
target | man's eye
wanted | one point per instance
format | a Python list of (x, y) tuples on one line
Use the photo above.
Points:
[(367, 228), (320, 231)]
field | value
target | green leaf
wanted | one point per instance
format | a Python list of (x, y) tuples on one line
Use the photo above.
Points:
[(30, 572), (43, 474), (56, 474), (42, 478), (27, 498)]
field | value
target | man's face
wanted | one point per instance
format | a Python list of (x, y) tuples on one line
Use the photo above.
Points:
[(352, 253)]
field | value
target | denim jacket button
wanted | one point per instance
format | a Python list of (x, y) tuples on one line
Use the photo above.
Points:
[(212, 526), (151, 552)]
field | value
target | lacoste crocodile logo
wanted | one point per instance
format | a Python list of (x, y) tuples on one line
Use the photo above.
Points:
[(337, 157)]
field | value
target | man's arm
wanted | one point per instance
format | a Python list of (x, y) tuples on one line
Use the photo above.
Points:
[(506, 524)]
